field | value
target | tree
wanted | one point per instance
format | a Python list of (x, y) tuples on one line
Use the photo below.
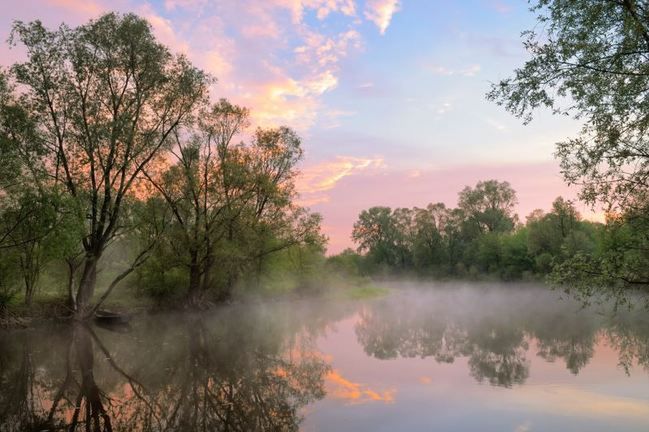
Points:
[(376, 234), (231, 203), (29, 220), (617, 262), (431, 240), (590, 62), (105, 98), (10, 128), (489, 206), (204, 188)]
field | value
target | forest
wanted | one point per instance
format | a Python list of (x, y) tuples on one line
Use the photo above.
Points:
[(481, 238)]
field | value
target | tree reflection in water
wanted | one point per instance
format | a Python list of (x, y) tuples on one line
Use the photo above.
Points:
[(182, 378), (495, 335), (255, 368)]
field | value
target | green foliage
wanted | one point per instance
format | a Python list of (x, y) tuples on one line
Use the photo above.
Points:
[(347, 264), (489, 207), (100, 102), (480, 239), (9, 275), (230, 206), (616, 264), (588, 60)]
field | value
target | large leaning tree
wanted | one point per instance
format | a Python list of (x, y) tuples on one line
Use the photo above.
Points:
[(105, 99), (590, 60)]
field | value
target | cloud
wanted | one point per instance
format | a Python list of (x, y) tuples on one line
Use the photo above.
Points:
[(314, 181), (266, 55), (287, 100), (380, 12), (324, 51), (326, 7), (323, 8), (164, 31), (468, 71)]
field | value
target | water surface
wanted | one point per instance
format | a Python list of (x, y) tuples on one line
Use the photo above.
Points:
[(453, 357)]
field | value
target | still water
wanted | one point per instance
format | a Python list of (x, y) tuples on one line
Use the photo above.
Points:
[(435, 357)]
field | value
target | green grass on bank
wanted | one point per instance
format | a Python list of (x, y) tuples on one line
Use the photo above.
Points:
[(367, 291)]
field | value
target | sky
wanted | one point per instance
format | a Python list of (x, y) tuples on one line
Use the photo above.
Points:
[(387, 95)]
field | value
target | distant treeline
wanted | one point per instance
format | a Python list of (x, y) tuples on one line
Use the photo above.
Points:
[(482, 237)]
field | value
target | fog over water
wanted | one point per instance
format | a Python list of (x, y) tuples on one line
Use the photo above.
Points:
[(442, 357)]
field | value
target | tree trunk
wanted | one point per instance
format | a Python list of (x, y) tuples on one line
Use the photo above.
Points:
[(207, 270), (29, 290), (30, 273), (86, 286), (194, 293), (72, 268)]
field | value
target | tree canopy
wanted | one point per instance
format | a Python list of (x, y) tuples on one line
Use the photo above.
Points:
[(589, 60)]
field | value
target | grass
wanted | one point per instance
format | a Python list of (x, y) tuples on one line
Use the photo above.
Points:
[(366, 291)]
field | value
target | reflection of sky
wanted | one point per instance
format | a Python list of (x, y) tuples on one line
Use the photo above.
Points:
[(427, 395), (386, 93)]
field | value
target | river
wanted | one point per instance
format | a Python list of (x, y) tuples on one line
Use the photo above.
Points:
[(443, 357)]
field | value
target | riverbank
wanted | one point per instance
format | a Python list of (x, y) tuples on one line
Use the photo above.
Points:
[(52, 306)]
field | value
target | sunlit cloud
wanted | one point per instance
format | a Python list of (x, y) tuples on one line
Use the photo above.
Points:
[(163, 29), (325, 7), (290, 101), (380, 12), (265, 55), (355, 393), (325, 51), (315, 180), (281, 82)]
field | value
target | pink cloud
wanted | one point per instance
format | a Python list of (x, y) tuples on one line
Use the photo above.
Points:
[(317, 179), (323, 8), (380, 12), (264, 54)]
